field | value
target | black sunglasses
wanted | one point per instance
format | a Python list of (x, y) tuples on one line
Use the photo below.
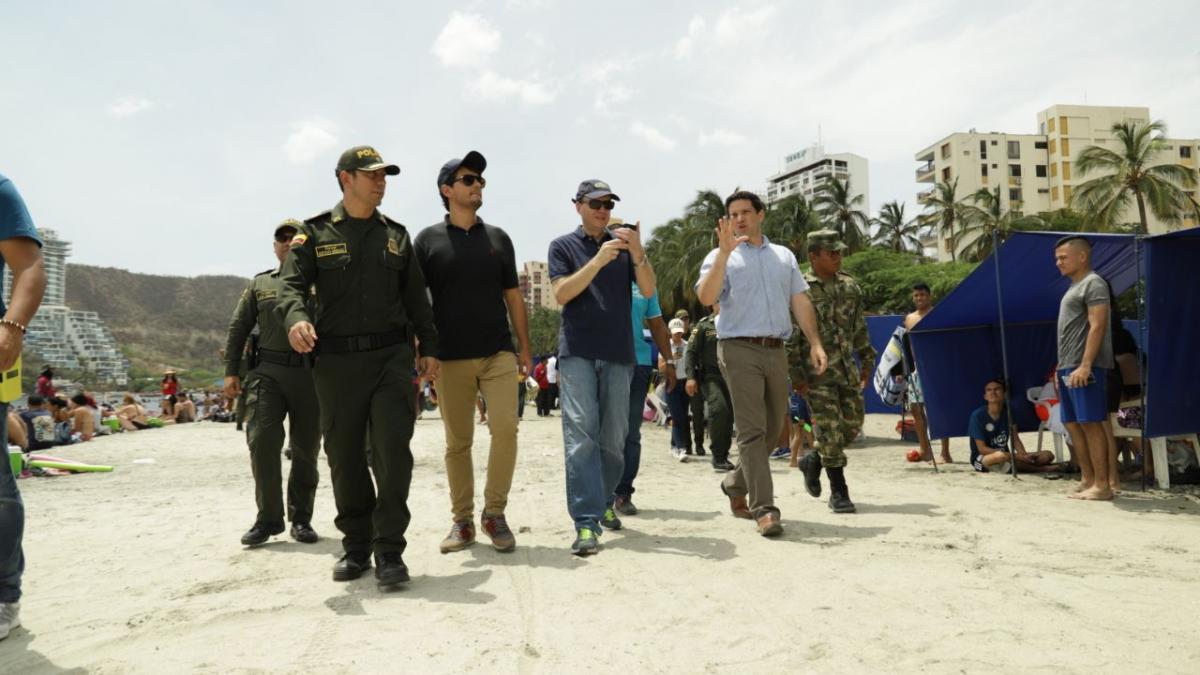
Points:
[(597, 204), (284, 238), (470, 179)]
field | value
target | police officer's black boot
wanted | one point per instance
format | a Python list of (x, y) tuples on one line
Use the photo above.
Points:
[(260, 533), (839, 494), (390, 569), (351, 566), (810, 466)]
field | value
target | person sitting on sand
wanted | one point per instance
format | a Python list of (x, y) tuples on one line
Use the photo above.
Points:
[(39, 423), (185, 409), (83, 419), (64, 432), (18, 433), (990, 431), (132, 414)]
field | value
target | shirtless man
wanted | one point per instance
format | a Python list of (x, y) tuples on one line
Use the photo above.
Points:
[(185, 409), (923, 300), (83, 420)]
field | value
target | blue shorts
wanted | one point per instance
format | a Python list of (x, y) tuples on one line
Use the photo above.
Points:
[(1083, 404), (798, 408)]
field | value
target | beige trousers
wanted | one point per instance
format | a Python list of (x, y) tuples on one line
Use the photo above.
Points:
[(758, 386), (461, 380)]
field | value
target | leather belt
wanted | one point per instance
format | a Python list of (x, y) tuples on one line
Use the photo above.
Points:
[(360, 343), (281, 358), (772, 342)]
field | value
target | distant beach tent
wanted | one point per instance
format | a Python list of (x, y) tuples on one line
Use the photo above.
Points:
[(958, 344)]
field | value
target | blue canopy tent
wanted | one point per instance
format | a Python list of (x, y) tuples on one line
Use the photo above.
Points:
[(1172, 338), (957, 346)]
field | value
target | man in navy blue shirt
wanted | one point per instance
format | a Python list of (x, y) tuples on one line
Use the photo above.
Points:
[(991, 430), (20, 249), (590, 271)]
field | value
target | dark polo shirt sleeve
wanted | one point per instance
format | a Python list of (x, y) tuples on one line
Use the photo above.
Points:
[(467, 272), (595, 323)]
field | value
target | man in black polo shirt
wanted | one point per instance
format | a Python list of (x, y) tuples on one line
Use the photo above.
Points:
[(471, 272), (590, 270)]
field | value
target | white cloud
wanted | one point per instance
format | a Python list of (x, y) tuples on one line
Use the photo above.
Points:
[(696, 29), (721, 137), (491, 86), (466, 40), (734, 24), (129, 106), (653, 137), (610, 97), (309, 140)]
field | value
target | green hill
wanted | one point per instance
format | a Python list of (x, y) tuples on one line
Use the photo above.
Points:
[(160, 321)]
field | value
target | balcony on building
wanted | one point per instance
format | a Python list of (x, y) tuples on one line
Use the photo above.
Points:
[(925, 172)]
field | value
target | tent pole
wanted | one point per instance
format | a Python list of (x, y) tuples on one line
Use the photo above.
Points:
[(1012, 454), (1143, 373)]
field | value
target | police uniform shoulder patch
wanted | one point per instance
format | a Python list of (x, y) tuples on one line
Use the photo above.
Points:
[(298, 240), (393, 246)]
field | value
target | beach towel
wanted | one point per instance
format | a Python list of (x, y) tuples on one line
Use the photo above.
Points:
[(890, 383)]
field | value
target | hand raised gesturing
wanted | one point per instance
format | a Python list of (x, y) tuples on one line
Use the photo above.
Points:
[(727, 236)]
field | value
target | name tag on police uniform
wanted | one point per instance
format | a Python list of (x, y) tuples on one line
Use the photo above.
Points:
[(326, 250), (265, 294), (393, 247)]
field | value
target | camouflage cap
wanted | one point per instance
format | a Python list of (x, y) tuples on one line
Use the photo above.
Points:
[(829, 240), (682, 314), (290, 223), (364, 158)]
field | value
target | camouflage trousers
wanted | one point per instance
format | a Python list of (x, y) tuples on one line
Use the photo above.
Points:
[(837, 418)]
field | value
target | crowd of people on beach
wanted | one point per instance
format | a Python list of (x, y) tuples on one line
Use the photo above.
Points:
[(359, 328)]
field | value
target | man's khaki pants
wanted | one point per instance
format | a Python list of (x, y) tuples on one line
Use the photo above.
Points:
[(461, 380), (757, 377)]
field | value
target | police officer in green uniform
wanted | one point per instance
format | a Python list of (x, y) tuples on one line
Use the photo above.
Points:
[(835, 398), (278, 386), (704, 378), (370, 303)]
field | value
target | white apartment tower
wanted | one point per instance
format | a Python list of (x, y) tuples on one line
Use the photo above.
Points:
[(534, 281), (804, 172), (67, 338)]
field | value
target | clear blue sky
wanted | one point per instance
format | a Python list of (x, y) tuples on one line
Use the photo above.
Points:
[(170, 137)]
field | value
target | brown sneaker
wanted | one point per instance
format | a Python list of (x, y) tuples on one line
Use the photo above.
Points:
[(737, 505), (461, 536), (497, 528), (768, 525)]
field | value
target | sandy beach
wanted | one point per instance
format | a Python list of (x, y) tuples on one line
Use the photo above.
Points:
[(140, 571)]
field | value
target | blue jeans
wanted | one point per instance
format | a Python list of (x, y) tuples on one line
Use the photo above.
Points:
[(12, 524), (594, 400), (638, 386), (681, 427)]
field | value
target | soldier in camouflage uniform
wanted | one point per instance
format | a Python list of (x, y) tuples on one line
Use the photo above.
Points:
[(704, 382), (836, 397)]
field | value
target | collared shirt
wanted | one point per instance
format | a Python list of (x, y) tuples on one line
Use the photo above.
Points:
[(257, 308), (757, 292), (643, 308), (595, 323), (366, 279), (467, 272)]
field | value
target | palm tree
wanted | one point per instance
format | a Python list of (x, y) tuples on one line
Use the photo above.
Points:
[(983, 215), (1130, 178), (842, 212), (789, 221), (942, 211), (894, 231)]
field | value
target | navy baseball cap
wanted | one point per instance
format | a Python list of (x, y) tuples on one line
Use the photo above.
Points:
[(472, 160), (594, 189)]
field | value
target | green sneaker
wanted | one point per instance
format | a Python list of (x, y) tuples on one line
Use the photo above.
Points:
[(610, 519), (585, 543)]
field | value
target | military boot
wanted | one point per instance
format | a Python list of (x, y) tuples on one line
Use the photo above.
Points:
[(839, 494)]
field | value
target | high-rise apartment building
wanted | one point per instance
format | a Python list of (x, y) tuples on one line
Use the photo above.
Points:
[(1034, 171), (805, 171), (67, 338), (534, 280)]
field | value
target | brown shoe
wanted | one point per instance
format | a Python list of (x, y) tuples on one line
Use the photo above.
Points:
[(497, 528), (461, 536), (768, 525), (737, 505)]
